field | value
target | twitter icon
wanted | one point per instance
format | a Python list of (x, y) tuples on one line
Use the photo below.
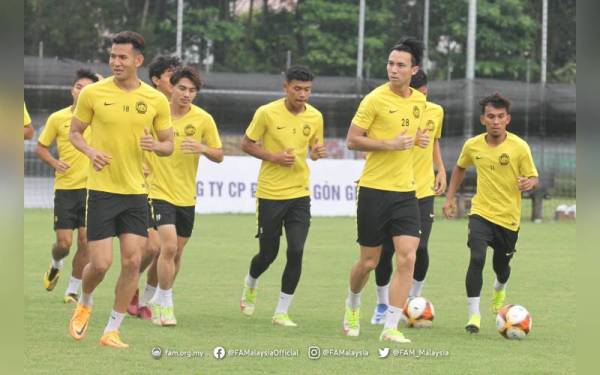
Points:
[(384, 352)]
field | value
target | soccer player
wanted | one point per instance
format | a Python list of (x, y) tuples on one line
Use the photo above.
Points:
[(386, 126), (287, 129), (428, 185), (69, 190), (173, 189), (160, 71), (120, 109), (505, 168), (27, 128)]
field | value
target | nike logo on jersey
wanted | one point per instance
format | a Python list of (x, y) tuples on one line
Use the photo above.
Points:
[(394, 111), (109, 103), (477, 157), (280, 127)]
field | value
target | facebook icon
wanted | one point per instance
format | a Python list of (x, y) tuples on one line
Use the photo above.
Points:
[(219, 352)]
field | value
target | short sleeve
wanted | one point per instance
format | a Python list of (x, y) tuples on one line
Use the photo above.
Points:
[(464, 159), (318, 134), (526, 165), (49, 132), (440, 120), (211, 134), (84, 111), (258, 125), (162, 119), (365, 114), (26, 117)]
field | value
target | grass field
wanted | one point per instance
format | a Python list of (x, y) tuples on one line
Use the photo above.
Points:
[(209, 285)]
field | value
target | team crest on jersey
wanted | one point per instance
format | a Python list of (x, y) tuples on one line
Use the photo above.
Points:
[(189, 130), (416, 112), (504, 159), (306, 130), (430, 125), (141, 107)]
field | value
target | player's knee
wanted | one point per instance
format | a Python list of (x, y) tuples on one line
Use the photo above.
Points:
[(406, 260), (370, 263), (101, 266), (477, 260), (63, 245), (169, 250), (131, 264)]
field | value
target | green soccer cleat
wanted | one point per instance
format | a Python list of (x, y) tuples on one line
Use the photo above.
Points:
[(473, 324), (167, 317), (351, 324), (155, 309), (247, 303), (498, 300), (283, 319), (393, 335)]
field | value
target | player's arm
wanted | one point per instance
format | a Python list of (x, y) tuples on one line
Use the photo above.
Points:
[(528, 183), (440, 178), (98, 158), (357, 140), (192, 146), (163, 146), (27, 132), (458, 175), (43, 153), (285, 158)]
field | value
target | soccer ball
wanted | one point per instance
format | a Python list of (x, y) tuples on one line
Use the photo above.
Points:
[(513, 322), (418, 312)]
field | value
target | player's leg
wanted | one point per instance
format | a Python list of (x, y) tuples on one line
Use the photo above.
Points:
[(145, 308), (480, 236), (166, 273), (504, 249), (383, 273), (80, 259), (185, 218), (297, 223), (422, 257)]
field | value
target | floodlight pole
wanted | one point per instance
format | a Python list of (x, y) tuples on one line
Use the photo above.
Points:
[(426, 36), (178, 52), (361, 38), (544, 42)]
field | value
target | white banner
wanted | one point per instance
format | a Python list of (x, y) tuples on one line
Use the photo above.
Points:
[(231, 186)]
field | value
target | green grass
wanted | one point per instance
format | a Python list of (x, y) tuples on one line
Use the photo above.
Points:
[(209, 285)]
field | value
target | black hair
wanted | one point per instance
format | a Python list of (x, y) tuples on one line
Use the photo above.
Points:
[(85, 73), (495, 100), (161, 64), (130, 37), (419, 79), (299, 73), (412, 46), (187, 72)]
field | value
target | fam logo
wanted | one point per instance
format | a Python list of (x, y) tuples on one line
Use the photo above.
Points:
[(306, 130), (189, 130), (504, 159), (141, 107), (416, 112), (430, 125)]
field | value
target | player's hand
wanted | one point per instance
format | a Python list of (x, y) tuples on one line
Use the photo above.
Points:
[(191, 146), (285, 158), (147, 142), (449, 209), (422, 139), (146, 169), (318, 151), (440, 183), (60, 166), (99, 159), (525, 184), (402, 141)]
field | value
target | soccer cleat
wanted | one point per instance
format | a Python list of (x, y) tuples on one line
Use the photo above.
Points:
[(473, 324), (392, 334), (51, 278), (155, 313), (78, 324), (71, 298), (113, 339), (144, 313), (498, 300), (247, 303), (283, 319), (132, 309), (379, 314), (351, 323), (167, 317)]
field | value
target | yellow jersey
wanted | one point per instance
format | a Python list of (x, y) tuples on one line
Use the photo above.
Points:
[(498, 198), (174, 177), (432, 123), (280, 130), (26, 118), (118, 119), (384, 115), (57, 128)]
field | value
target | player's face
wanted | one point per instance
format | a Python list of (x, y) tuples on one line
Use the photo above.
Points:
[(78, 86), (184, 92), (163, 84), (297, 92), (495, 120), (124, 61), (400, 68)]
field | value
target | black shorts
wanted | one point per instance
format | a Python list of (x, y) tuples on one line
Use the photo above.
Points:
[(426, 218), (69, 208), (497, 237), (272, 214), (381, 214), (180, 216), (151, 216), (110, 214)]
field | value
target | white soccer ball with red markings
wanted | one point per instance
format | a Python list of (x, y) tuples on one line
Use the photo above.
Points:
[(418, 312), (513, 322)]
